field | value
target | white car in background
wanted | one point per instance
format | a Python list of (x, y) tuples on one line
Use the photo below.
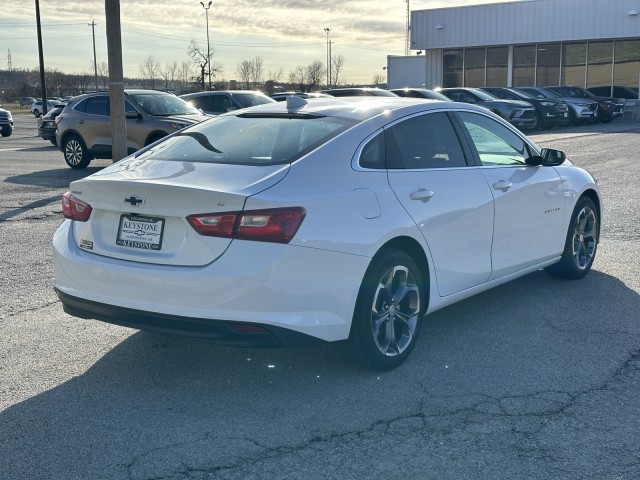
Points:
[(334, 220)]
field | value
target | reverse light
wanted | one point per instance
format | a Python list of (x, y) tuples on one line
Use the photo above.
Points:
[(277, 225), (75, 209)]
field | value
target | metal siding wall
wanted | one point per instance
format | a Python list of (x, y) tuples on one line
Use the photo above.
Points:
[(536, 21)]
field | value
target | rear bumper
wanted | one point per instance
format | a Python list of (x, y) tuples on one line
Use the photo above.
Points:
[(305, 290), (216, 331)]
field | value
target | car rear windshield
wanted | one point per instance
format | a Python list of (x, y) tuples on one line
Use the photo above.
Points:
[(249, 139), (163, 104)]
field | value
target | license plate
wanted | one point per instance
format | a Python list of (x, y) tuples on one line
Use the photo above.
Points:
[(138, 231), (565, 114)]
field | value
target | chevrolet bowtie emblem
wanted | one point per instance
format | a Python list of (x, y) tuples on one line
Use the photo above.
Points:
[(134, 200)]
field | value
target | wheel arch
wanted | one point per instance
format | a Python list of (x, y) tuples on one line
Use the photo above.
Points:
[(154, 137), (412, 248), (70, 133), (593, 196)]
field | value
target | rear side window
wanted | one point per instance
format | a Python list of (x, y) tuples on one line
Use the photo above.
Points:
[(425, 141), (97, 105), (249, 140)]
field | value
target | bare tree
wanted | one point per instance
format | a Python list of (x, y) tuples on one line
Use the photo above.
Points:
[(257, 72), (149, 69), (103, 73), (244, 71), (185, 72), (337, 62), (378, 79), (297, 78), (314, 73), (201, 58), (168, 74), (271, 80)]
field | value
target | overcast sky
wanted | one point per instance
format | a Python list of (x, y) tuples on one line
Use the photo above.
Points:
[(284, 33)]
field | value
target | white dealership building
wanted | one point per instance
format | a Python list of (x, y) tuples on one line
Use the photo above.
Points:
[(589, 43)]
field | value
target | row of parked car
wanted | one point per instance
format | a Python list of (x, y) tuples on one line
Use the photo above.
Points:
[(80, 127), (524, 107)]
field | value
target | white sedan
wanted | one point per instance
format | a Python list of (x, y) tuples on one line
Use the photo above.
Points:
[(330, 220)]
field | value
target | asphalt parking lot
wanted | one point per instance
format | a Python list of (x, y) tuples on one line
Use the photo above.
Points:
[(536, 379)]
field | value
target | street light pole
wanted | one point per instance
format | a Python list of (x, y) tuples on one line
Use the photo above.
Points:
[(327, 31), (206, 10)]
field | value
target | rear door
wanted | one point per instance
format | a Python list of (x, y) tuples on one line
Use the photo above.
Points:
[(449, 200)]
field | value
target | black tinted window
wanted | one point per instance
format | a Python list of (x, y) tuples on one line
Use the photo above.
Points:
[(426, 141), (372, 155), (201, 102), (97, 105)]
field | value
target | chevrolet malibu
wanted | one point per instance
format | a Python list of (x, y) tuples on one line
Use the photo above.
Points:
[(330, 220)]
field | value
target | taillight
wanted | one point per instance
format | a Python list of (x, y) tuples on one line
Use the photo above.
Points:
[(277, 225), (58, 119), (75, 209)]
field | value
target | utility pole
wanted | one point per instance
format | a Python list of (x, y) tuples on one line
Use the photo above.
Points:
[(408, 35), (327, 31), (206, 10), (43, 85), (95, 63), (116, 80)]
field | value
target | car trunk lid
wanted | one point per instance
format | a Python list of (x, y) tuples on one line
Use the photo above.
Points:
[(139, 208)]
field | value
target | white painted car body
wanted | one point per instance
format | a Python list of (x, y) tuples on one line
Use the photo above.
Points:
[(472, 234)]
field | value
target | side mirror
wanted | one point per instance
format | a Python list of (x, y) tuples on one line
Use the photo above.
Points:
[(133, 115), (552, 157), (548, 157)]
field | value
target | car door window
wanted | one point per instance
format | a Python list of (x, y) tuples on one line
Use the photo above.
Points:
[(424, 141), (496, 144)]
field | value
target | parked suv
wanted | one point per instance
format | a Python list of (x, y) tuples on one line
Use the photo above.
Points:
[(36, 107), (6, 122), (519, 114), (581, 110), (549, 112), (608, 108), (218, 102), (84, 127), (25, 101)]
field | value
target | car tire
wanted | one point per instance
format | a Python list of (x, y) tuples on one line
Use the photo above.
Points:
[(53, 141), (539, 124), (581, 243), (6, 132), (75, 152), (36, 113), (388, 313)]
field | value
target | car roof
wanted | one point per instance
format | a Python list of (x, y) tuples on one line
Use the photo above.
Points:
[(355, 108), (221, 92)]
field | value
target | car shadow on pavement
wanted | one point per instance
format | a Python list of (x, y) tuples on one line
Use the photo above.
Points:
[(157, 406), (56, 178)]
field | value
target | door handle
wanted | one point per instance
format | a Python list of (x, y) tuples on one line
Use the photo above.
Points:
[(80, 122), (502, 185), (422, 194)]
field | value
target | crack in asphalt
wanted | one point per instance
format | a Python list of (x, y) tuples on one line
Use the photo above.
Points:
[(542, 405)]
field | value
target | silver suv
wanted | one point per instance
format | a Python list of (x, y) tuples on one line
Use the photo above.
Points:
[(83, 129)]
